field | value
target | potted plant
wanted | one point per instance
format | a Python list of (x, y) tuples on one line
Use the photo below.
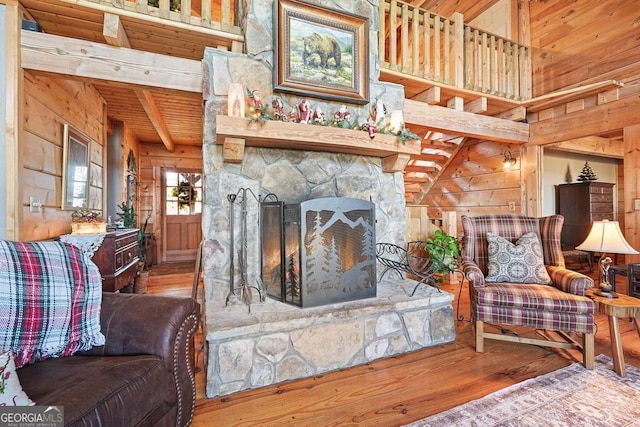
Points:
[(445, 251), (127, 215), (142, 281)]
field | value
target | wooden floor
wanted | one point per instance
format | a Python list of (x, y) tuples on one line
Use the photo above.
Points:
[(393, 391)]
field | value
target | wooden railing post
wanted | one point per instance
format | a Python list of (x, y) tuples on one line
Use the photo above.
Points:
[(225, 13), (382, 31), (415, 36), (393, 38), (458, 48), (426, 23), (404, 38), (185, 11)]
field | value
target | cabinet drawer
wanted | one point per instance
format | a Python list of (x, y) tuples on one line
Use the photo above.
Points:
[(125, 256), (602, 198), (606, 208), (597, 189), (127, 276), (126, 241)]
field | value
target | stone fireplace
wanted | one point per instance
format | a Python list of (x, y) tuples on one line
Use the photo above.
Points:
[(267, 343)]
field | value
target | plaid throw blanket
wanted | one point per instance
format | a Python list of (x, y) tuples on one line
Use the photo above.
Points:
[(50, 299)]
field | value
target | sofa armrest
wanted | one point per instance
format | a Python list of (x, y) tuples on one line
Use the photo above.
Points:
[(569, 281), (473, 273), (150, 324)]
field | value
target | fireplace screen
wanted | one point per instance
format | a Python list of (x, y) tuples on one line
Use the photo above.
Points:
[(318, 252)]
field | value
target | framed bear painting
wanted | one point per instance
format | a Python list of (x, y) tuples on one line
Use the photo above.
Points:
[(321, 52)]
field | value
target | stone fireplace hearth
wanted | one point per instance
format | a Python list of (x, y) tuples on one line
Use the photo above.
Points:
[(277, 342)]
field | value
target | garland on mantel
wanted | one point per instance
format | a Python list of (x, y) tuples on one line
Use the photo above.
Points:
[(260, 113)]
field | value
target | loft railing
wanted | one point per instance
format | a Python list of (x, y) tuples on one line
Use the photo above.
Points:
[(442, 50), (212, 14)]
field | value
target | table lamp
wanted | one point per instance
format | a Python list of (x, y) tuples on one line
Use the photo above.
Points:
[(605, 237)]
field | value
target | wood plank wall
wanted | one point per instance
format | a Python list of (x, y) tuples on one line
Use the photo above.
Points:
[(562, 31), (48, 104), (632, 180), (154, 157), (475, 183)]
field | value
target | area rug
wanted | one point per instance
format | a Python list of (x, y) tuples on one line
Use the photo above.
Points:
[(571, 396)]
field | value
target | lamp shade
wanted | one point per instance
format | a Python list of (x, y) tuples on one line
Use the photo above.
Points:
[(605, 236)]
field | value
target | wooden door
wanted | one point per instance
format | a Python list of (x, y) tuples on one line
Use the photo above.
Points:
[(182, 212)]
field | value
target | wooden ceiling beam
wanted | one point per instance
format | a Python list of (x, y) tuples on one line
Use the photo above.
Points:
[(80, 58), (592, 145), (463, 123), (591, 121), (115, 34)]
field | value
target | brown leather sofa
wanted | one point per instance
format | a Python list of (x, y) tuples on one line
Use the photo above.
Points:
[(142, 376)]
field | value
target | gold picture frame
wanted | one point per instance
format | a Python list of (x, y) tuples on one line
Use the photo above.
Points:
[(321, 52), (75, 169)]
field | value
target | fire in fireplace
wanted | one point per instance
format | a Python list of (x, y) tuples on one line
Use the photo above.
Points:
[(318, 252)]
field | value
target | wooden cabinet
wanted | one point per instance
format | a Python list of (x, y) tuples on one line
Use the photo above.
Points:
[(117, 259), (581, 204)]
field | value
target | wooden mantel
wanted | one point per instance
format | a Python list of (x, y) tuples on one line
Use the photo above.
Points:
[(235, 133)]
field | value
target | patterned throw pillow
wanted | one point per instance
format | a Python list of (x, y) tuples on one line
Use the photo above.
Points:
[(11, 393), (50, 298), (522, 262)]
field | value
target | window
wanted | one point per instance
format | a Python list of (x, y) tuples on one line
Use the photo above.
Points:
[(183, 193)]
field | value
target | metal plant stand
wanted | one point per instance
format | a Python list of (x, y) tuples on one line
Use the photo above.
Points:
[(411, 260)]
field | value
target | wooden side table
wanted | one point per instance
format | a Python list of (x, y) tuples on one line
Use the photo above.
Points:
[(622, 307)]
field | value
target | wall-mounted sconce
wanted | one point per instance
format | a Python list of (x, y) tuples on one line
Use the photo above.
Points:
[(509, 161), (235, 101), (396, 122)]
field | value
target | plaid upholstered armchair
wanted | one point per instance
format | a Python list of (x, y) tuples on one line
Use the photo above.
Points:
[(517, 276)]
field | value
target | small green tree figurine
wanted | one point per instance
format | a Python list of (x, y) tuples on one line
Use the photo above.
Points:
[(587, 173)]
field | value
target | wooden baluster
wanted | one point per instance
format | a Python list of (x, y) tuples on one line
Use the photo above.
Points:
[(516, 71), (501, 72), (185, 11), (393, 35), (404, 37), (141, 6), (163, 8), (205, 12), (493, 83), (476, 60), (447, 51), (382, 32), (458, 48), (436, 49), (485, 63), (225, 13), (426, 21), (525, 73), (509, 62), (415, 36), (468, 58)]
